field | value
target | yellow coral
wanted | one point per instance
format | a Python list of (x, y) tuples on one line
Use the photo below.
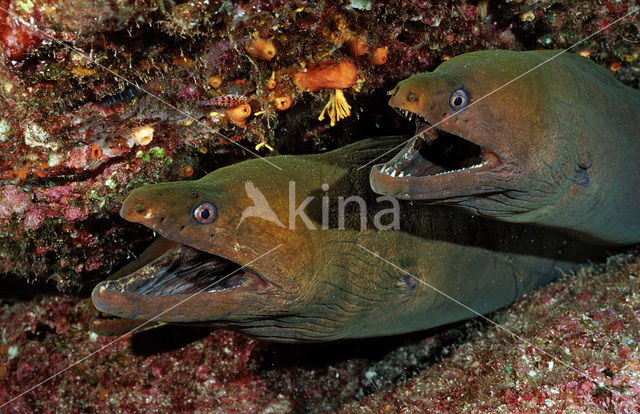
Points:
[(337, 108), (271, 82), (264, 144)]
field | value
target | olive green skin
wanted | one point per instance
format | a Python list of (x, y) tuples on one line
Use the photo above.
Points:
[(566, 136), (320, 285)]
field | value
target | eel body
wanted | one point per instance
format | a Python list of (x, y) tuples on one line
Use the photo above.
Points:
[(319, 284), (557, 147)]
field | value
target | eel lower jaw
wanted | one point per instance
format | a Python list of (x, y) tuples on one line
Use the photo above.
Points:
[(182, 274), (434, 165)]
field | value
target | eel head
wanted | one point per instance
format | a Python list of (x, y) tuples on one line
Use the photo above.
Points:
[(475, 138), (440, 159), (218, 274)]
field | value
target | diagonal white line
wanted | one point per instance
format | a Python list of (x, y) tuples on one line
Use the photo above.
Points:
[(497, 325), (135, 329), (506, 84), (129, 82)]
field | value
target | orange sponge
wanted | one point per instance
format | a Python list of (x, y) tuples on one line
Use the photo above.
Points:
[(327, 75)]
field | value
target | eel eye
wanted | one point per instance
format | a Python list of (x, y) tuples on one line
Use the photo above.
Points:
[(205, 213), (458, 100)]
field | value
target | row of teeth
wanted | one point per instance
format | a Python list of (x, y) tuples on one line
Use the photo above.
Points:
[(411, 115), (483, 163), (393, 172)]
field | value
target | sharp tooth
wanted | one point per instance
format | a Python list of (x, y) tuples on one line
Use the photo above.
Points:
[(401, 174), (393, 173), (385, 168), (408, 175)]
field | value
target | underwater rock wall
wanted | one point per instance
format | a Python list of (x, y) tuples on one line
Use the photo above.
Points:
[(79, 128)]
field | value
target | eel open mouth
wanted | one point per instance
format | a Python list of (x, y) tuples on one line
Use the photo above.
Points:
[(169, 279), (434, 152), (435, 164)]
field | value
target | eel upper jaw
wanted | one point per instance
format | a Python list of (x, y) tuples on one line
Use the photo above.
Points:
[(434, 165), (181, 274)]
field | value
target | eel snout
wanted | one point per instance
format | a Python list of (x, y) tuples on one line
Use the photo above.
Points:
[(137, 208)]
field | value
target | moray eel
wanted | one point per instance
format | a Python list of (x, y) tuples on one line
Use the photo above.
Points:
[(557, 147), (315, 283)]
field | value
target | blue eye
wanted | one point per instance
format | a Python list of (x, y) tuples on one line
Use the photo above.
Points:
[(458, 100), (205, 213)]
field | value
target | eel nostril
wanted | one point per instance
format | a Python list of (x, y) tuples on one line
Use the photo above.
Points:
[(138, 208)]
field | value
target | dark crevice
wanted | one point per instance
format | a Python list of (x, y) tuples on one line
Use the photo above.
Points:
[(182, 271), (450, 152)]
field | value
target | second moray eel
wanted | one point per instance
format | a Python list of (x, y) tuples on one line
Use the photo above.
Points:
[(319, 284), (557, 147)]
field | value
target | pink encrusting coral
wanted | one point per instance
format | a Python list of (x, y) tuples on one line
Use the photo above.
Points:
[(13, 200), (575, 351), (587, 322)]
